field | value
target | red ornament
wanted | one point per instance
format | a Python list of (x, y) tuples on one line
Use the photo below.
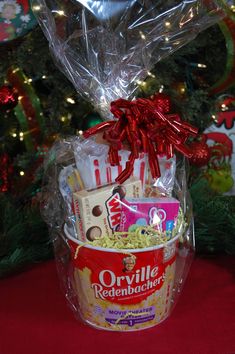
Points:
[(162, 101), (201, 153), (8, 98)]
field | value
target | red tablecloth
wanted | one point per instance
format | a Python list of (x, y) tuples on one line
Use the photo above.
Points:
[(34, 318)]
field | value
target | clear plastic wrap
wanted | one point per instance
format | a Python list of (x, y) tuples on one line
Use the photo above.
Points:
[(122, 251), (105, 46), (116, 198)]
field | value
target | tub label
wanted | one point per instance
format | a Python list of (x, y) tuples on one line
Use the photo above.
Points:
[(124, 291)]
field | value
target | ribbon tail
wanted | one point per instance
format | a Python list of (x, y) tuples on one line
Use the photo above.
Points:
[(98, 128)]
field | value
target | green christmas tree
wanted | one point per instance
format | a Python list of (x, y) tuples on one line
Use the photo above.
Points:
[(187, 76)]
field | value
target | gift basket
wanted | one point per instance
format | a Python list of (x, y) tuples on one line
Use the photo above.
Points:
[(115, 197)]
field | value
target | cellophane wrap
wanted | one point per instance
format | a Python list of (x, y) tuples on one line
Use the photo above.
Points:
[(123, 249), (104, 47), (83, 206)]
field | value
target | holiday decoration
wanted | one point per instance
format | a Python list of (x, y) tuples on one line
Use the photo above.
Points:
[(223, 132), (8, 98), (213, 152), (145, 129), (23, 242), (28, 111), (90, 120), (201, 153), (220, 180), (16, 19), (214, 219), (227, 27), (6, 170), (162, 102)]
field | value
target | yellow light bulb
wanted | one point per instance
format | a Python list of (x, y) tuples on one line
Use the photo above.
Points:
[(70, 100), (36, 7)]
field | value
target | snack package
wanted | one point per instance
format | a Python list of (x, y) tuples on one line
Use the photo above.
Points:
[(160, 213), (116, 198), (98, 212)]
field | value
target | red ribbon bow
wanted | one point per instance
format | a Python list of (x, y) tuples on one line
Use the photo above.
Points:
[(145, 128)]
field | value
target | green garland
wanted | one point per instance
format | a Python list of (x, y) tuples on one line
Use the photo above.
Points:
[(214, 217), (24, 237)]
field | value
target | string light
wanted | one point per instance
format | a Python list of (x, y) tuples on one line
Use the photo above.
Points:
[(142, 35), (80, 132), (22, 173), (70, 100), (21, 135), (20, 98), (14, 135), (167, 39), (151, 75), (232, 7), (44, 77), (161, 89), (201, 65), (213, 117), (63, 119), (141, 83), (224, 107), (59, 12), (167, 24), (28, 81), (36, 7)]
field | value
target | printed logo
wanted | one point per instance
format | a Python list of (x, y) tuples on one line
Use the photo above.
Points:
[(113, 206)]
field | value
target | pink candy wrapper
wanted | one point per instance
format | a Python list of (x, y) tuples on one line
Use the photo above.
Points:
[(161, 213)]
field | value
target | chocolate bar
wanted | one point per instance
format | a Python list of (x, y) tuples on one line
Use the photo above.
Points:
[(98, 212)]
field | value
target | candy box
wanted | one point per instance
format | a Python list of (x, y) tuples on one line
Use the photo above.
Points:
[(98, 212), (161, 213)]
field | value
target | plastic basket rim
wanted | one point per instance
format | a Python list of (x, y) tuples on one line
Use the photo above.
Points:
[(121, 250)]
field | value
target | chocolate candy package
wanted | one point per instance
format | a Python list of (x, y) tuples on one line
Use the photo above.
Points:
[(115, 197)]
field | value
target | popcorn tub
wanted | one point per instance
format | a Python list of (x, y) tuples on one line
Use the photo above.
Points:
[(123, 290)]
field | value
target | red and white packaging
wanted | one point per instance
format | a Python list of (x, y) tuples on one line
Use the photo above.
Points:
[(94, 167), (98, 212)]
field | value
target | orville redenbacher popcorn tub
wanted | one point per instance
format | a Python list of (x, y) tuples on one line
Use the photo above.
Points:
[(124, 290)]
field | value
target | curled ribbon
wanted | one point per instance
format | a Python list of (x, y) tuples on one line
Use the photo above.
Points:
[(145, 128)]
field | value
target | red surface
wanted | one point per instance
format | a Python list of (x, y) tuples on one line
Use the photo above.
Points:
[(34, 317)]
